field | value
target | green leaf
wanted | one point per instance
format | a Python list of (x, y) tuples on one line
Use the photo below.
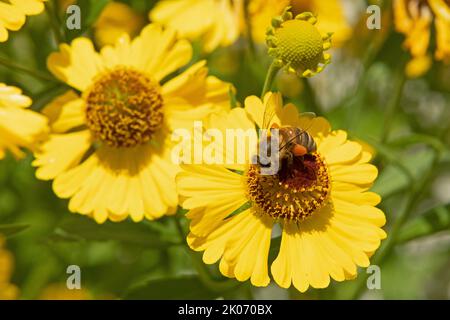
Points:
[(75, 228), (11, 229), (435, 220), (174, 288)]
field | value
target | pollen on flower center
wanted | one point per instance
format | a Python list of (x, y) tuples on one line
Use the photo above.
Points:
[(297, 45), (300, 43), (293, 194), (123, 108)]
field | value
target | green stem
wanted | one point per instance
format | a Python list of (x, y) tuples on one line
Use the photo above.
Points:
[(273, 70), (394, 105), (52, 16), (31, 72)]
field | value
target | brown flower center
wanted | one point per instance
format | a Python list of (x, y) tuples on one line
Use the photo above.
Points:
[(293, 194), (124, 108)]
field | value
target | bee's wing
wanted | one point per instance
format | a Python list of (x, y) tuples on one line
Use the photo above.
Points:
[(269, 111)]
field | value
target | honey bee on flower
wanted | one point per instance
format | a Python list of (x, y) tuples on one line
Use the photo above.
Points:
[(321, 201)]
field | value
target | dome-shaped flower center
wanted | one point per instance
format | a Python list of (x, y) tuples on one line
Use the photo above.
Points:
[(297, 45), (300, 43), (123, 108), (293, 194)]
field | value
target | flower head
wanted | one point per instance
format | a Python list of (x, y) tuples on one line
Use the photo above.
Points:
[(329, 221), (13, 14), (109, 151), (414, 18), (297, 45), (18, 127)]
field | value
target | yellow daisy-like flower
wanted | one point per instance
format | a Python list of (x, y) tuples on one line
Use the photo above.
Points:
[(13, 14), (18, 127), (109, 151), (329, 221), (115, 19), (216, 22), (297, 44), (8, 291), (414, 18)]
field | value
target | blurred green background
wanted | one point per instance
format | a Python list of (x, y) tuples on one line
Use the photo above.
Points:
[(363, 91)]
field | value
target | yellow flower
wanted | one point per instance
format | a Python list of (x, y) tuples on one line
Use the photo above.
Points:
[(220, 22), (261, 13), (115, 19), (297, 45), (109, 151), (18, 127), (13, 14), (8, 291), (414, 18), (59, 291), (329, 221), (216, 22)]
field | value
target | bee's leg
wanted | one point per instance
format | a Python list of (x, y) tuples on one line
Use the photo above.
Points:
[(290, 160)]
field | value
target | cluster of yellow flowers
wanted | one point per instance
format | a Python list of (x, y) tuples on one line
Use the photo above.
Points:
[(414, 19), (105, 143)]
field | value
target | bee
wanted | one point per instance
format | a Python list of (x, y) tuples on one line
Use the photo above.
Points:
[(293, 143)]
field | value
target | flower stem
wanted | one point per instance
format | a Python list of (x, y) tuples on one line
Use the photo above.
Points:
[(393, 106), (55, 24), (9, 64), (273, 70)]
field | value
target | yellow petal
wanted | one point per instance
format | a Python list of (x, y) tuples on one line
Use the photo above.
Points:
[(65, 112), (60, 153), (76, 64)]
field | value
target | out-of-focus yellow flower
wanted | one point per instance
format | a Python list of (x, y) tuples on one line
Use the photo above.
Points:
[(331, 17), (289, 85), (216, 22), (18, 127), (110, 147), (8, 291), (261, 13), (329, 220), (220, 22), (414, 18), (117, 18), (13, 14), (59, 291)]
